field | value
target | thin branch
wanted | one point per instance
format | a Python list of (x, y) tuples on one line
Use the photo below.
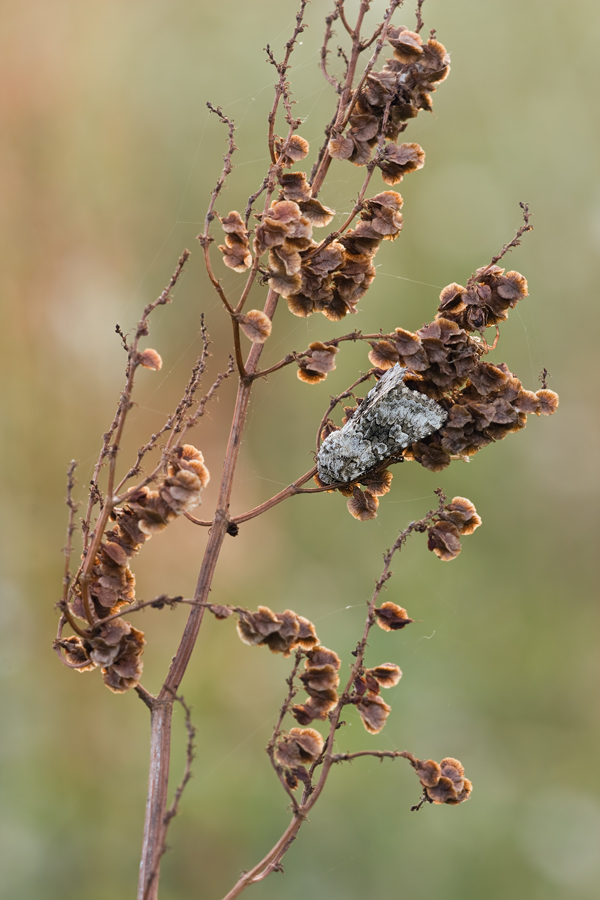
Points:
[(281, 87), (420, 21), (162, 710), (339, 7), (252, 198), (277, 729), (289, 491), (329, 20), (187, 772), (380, 754), (68, 549), (174, 421), (221, 377), (178, 424), (516, 242)]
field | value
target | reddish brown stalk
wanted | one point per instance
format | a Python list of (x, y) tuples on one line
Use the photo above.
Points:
[(289, 491), (187, 774), (163, 705)]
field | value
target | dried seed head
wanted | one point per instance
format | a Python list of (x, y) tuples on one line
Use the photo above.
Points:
[(301, 747), (322, 656), (444, 540), (386, 675), (373, 712), (256, 326), (150, 359), (280, 632), (548, 402), (319, 362), (392, 617), (379, 483), (125, 671), (319, 678), (398, 161), (383, 355), (462, 513), (362, 505), (77, 654), (408, 46), (443, 783), (297, 149)]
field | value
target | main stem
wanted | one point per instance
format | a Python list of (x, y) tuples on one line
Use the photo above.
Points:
[(162, 707)]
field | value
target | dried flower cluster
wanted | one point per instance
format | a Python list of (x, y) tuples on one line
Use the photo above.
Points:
[(388, 99), (320, 680), (297, 749), (280, 632), (115, 646), (372, 708), (442, 782)]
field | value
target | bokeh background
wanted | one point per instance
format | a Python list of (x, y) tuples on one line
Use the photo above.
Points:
[(108, 155)]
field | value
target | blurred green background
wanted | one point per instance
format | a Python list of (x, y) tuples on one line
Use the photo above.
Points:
[(108, 155)]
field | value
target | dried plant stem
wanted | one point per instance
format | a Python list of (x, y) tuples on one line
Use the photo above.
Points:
[(112, 440), (277, 730), (162, 707), (311, 794)]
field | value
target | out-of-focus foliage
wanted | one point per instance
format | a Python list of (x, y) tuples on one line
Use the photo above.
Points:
[(108, 155)]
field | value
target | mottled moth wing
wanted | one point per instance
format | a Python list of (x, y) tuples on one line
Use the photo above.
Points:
[(390, 418)]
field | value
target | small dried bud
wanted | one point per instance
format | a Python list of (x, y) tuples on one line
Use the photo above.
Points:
[(408, 46), (462, 513), (126, 669), (548, 402), (391, 617), (398, 161), (77, 654), (322, 656), (256, 326), (379, 483), (362, 504), (387, 675), (320, 678), (373, 712), (444, 540), (383, 355), (296, 150), (150, 359), (341, 147), (302, 746)]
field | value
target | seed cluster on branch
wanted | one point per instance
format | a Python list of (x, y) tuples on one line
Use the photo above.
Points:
[(116, 646), (390, 98)]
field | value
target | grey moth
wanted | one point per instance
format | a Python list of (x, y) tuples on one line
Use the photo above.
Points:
[(390, 418)]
